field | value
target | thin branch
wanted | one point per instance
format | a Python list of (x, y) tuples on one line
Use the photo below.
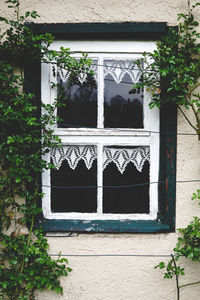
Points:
[(192, 104), (193, 108), (194, 88), (187, 119), (187, 284), (177, 283), (189, 10)]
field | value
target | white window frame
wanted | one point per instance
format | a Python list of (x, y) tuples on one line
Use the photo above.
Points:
[(148, 136)]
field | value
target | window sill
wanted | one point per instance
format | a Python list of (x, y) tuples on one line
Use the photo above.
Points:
[(106, 226)]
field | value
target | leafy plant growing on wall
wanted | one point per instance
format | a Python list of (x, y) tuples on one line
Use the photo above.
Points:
[(172, 74), (188, 246), (25, 136)]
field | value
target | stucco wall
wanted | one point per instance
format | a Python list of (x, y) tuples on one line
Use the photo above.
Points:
[(130, 277)]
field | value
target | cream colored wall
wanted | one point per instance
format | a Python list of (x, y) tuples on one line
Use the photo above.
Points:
[(125, 278)]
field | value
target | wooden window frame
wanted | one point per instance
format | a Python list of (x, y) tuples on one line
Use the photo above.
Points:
[(165, 221)]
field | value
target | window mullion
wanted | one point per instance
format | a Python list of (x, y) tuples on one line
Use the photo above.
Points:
[(99, 178), (46, 184), (154, 167), (100, 122)]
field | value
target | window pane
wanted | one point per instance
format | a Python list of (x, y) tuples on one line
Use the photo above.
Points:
[(125, 167), (76, 169), (80, 100), (123, 106)]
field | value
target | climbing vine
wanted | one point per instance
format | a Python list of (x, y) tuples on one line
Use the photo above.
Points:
[(172, 72), (188, 246), (25, 136), (172, 75), (25, 266)]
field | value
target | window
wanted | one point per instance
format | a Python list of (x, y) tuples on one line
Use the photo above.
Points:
[(114, 171)]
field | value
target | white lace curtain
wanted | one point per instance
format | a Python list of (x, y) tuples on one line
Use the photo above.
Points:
[(64, 74), (120, 156), (117, 69)]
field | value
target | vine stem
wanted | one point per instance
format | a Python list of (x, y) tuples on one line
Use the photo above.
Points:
[(177, 283), (189, 9), (187, 118), (29, 239), (17, 10), (194, 111), (194, 88), (188, 284)]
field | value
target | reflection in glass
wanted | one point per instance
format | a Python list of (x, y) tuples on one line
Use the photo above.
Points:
[(123, 106), (82, 200), (80, 101)]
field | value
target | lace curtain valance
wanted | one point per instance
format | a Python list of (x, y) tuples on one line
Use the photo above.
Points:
[(73, 154), (117, 69), (120, 156), (64, 74)]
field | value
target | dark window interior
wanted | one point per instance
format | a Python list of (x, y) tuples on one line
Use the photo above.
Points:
[(75, 199), (128, 199)]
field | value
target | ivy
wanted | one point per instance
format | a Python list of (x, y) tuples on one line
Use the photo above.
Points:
[(25, 266)]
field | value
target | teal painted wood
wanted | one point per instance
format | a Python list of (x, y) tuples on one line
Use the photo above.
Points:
[(168, 116), (104, 226), (104, 30), (167, 190)]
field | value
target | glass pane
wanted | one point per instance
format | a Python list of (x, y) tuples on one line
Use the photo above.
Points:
[(126, 167), (80, 100), (123, 106), (76, 170)]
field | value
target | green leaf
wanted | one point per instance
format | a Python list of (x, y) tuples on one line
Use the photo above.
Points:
[(18, 180)]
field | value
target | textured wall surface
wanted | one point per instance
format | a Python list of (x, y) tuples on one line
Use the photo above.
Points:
[(104, 11), (125, 278)]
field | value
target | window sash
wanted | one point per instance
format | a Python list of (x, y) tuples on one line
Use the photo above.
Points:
[(108, 136), (100, 142), (108, 51)]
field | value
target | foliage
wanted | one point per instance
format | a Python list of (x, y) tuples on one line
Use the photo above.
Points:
[(171, 269), (196, 196), (30, 267), (188, 246), (25, 136), (172, 72), (172, 75)]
